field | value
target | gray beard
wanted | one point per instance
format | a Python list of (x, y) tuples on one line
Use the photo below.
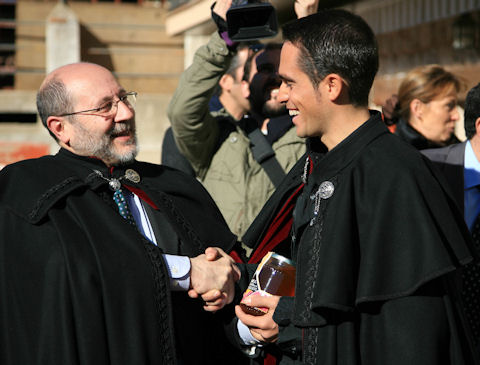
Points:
[(88, 144)]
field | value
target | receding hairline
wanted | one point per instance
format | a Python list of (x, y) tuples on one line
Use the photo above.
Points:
[(60, 73)]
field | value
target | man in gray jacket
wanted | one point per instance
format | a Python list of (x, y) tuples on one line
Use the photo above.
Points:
[(217, 144)]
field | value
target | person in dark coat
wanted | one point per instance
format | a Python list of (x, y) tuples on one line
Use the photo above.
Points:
[(376, 240), (426, 110), (172, 157), (84, 281), (460, 164)]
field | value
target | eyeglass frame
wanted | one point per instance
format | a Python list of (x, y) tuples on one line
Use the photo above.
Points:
[(115, 103)]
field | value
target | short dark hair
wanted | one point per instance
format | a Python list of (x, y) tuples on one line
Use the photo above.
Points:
[(53, 98), (255, 50), (472, 111), (235, 63), (340, 42)]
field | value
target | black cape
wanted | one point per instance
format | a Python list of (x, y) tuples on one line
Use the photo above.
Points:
[(411, 136), (78, 285), (376, 255)]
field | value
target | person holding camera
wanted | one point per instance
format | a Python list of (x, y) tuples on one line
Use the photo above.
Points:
[(223, 146)]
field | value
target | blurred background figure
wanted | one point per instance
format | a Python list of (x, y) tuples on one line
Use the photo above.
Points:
[(460, 163), (227, 95), (239, 153), (424, 111)]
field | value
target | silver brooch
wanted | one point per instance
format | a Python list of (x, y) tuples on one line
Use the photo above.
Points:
[(326, 189), (132, 175), (115, 183)]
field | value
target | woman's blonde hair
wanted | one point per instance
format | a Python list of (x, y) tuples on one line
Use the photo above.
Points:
[(424, 83)]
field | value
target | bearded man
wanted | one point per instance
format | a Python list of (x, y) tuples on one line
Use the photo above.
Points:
[(98, 250)]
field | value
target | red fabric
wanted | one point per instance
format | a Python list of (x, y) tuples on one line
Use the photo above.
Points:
[(280, 227), (234, 255), (392, 128), (141, 194), (278, 230), (270, 360)]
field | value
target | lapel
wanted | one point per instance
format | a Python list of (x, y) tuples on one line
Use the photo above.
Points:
[(453, 170)]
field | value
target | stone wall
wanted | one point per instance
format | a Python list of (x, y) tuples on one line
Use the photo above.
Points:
[(127, 38)]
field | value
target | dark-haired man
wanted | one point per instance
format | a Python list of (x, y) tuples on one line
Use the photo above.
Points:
[(84, 237), (460, 163), (376, 240), (219, 145)]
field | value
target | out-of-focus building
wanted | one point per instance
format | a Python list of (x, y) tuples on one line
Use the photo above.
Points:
[(148, 43), (410, 33), (127, 37)]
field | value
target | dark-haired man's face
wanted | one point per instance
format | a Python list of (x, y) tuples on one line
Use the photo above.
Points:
[(305, 103), (264, 84)]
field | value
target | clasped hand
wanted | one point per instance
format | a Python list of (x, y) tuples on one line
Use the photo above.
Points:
[(212, 277)]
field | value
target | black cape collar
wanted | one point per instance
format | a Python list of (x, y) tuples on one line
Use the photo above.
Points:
[(49, 179), (346, 151), (417, 140), (86, 165)]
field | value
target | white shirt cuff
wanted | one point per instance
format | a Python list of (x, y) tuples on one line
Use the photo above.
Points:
[(246, 335), (179, 271)]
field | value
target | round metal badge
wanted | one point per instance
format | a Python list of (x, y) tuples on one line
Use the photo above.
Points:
[(132, 175), (326, 189)]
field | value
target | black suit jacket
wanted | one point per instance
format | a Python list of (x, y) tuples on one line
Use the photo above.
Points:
[(450, 161)]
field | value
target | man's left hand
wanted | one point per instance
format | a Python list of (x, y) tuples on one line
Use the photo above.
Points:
[(263, 328)]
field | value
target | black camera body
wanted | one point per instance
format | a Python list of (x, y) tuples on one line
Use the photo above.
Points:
[(250, 20)]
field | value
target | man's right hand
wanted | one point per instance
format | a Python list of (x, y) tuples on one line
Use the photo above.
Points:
[(305, 7), (221, 7), (214, 272)]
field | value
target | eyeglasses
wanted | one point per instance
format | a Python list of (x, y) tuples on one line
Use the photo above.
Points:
[(110, 107)]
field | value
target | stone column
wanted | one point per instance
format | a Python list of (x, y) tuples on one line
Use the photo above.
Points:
[(62, 37), (191, 43)]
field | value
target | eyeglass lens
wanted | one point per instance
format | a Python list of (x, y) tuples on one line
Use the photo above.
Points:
[(111, 107)]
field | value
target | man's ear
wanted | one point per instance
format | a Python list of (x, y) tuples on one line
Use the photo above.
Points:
[(226, 82), (57, 125), (335, 87), (477, 126), (245, 86)]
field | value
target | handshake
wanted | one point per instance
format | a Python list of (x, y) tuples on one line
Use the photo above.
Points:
[(212, 277)]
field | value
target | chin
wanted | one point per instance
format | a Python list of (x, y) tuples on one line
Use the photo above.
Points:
[(124, 156), (300, 133)]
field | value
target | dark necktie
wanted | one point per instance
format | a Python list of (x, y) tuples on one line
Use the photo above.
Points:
[(471, 286), (123, 208)]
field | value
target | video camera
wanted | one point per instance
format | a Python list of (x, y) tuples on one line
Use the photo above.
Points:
[(250, 20)]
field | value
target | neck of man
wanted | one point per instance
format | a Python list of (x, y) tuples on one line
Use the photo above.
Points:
[(343, 121), (231, 106)]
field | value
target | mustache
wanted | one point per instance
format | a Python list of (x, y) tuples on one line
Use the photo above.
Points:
[(122, 128)]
